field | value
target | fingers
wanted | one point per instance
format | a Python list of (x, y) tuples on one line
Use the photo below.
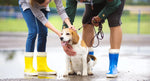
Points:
[(69, 50), (95, 24), (72, 27), (96, 20), (70, 53), (69, 46)]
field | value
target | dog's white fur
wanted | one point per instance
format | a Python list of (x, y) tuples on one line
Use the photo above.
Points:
[(77, 63)]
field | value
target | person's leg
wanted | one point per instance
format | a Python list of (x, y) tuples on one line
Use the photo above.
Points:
[(32, 29), (88, 28), (30, 42), (42, 34), (115, 43), (115, 40), (88, 34), (42, 66), (115, 37)]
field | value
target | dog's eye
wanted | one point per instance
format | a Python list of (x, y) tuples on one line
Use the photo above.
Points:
[(67, 33)]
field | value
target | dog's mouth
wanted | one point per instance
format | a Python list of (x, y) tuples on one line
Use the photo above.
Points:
[(65, 42)]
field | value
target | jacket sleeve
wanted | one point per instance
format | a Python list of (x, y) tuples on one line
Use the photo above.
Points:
[(60, 9), (110, 7), (71, 6)]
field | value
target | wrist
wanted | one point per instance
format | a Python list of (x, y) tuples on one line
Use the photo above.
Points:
[(67, 21), (59, 33), (98, 18)]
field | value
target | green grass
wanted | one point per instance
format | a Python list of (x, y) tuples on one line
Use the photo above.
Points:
[(12, 25), (129, 25)]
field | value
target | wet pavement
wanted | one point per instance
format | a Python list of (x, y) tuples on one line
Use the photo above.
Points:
[(133, 65)]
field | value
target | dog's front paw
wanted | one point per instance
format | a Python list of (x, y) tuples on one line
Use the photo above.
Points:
[(71, 72), (78, 73), (84, 74), (65, 74), (90, 73)]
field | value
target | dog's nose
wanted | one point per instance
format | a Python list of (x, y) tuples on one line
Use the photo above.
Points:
[(61, 38)]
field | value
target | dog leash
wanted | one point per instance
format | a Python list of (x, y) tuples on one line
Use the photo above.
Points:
[(80, 28), (99, 33)]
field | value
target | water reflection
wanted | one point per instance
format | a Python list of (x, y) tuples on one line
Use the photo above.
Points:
[(9, 55), (47, 76), (30, 77), (12, 64), (40, 77)]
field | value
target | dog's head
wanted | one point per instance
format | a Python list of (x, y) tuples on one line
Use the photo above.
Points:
[(69, 36)]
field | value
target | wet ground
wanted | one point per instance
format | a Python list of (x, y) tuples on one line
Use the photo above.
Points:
[(134, 60)]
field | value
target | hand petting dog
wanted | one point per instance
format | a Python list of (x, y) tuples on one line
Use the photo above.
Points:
[(68, 48)]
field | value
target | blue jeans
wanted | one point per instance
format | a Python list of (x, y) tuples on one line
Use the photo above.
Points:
[(35, 27)]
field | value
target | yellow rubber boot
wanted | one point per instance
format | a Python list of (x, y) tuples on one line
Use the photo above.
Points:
[(29, 70), (42, 67)]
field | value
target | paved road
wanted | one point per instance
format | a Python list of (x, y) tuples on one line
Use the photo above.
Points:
[(10, 41), (134, 60)]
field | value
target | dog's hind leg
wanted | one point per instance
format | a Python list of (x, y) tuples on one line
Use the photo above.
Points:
[(90, 68)]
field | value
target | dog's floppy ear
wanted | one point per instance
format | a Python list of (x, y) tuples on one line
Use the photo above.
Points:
[(75, 37)]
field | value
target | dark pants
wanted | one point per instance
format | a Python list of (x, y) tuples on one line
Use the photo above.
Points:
[(114, 19)]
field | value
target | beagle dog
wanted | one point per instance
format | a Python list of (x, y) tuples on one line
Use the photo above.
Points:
[(81, 63)]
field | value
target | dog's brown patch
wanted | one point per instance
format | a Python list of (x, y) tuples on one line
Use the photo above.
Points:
[(75, 36), (83, 43), (91, 57)]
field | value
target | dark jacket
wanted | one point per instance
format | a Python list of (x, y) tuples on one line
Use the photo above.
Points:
[(111, 6)]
